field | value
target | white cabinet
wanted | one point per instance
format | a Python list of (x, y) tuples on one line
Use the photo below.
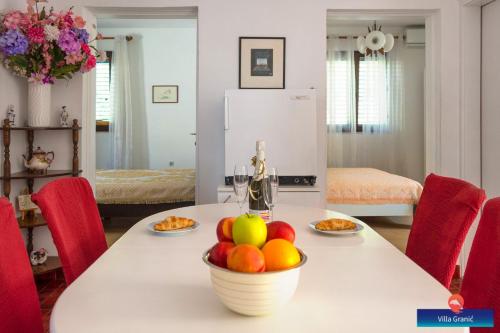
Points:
[(293, 195)]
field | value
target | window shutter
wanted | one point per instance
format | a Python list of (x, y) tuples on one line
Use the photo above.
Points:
[(372, 108), (103, 93)]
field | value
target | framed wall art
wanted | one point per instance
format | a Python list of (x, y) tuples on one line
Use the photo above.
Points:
[(166, 94), (262, 63)]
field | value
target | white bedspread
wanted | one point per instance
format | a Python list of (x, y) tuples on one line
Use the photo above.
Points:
[(370, 186), (145, 186)]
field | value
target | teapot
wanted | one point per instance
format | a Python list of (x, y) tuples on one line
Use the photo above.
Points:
[(40, 161)]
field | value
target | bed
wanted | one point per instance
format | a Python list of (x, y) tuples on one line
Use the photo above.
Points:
[(139, 193), (371, 192)]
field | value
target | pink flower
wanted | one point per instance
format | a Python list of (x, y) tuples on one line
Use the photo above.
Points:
[(86, 49), (14, 19), (47, 57), (68, 18), (36, 34), (79, 22), (36, 77), (89, 64), (101, 55), (73, 58)]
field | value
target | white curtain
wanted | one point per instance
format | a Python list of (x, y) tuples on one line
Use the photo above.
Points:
[(129, 147), (365, 120)]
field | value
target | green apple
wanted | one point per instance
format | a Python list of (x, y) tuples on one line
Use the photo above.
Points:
[(249, 229)]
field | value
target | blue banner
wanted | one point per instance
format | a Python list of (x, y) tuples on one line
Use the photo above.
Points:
[(448, 318)]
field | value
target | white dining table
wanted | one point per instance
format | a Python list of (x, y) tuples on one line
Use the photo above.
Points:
[(148, 283)]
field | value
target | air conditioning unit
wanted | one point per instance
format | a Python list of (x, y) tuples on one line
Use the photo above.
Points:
[(415, 36)]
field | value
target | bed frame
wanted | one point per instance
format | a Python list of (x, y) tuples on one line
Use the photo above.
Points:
[(374, 210), (109, 211)]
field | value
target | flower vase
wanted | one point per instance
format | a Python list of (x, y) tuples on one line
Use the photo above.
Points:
[(39, 104)]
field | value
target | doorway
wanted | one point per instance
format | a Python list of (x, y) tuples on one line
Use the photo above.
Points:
[(375, 120), (145, 111)]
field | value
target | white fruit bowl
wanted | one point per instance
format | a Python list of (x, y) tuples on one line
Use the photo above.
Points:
[(254, 294)]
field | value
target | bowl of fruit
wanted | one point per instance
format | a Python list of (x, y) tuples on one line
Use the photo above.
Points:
[(254, 268)]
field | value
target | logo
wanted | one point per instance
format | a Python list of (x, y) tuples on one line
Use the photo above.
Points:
[(456, 316), (456, 303)]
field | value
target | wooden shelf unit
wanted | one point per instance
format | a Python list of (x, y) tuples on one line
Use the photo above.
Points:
[(50, 265), (33, 221)]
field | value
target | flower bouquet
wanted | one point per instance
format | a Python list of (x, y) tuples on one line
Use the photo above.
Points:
[(44, 45)]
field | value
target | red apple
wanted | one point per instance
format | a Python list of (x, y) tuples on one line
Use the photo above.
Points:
[(225, 229), (280, 229), (218, 253)]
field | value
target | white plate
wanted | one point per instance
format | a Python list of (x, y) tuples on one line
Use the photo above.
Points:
[(358, 229), (179, 232)]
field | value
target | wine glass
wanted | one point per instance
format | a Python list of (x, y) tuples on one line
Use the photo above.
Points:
[(240, 184), (271, 190)]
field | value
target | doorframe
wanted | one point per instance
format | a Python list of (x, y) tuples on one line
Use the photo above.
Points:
[(469, 145), (88, 135)]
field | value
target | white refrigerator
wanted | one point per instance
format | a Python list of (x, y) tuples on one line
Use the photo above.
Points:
[(284, 118)]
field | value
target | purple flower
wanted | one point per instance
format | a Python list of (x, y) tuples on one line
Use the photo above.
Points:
[(41, 78), (81, 34), (68, 41), (13, 42)]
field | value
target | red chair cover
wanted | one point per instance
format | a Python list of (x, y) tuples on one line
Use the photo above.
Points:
[(69, 207), (444, 214), (19, 305), (481, 284)]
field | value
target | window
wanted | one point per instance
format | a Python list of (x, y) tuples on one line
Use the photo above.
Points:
[(339, 101), (103, 93), (361, 89), (370, 94)]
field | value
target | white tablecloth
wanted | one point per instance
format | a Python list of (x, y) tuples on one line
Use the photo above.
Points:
[(147, 283)]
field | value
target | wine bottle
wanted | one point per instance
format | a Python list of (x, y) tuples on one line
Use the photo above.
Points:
[(256, 202)]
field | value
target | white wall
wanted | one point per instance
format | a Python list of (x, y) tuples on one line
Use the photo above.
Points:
[(220, 23), (491, 103), (169, 59), (411, 155)]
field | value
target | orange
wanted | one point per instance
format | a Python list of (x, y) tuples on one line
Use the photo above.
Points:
[(246, 258), (280, 254)]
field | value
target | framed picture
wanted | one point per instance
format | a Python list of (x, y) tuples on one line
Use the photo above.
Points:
[(262, 63), (165, 94)]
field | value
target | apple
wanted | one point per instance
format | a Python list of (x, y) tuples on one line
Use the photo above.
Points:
[(280, 229), (249, 229), (218, 253), (246, 258), (225, 229)]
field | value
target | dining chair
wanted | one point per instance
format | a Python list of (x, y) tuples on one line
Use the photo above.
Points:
[(19, 305), (481, 283), (69, 207), (445, 212)]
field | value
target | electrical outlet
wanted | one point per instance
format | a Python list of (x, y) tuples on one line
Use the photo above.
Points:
[(171, 163)]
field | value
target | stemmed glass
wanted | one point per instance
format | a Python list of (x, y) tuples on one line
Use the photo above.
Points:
[(271, 190), (240, 184)]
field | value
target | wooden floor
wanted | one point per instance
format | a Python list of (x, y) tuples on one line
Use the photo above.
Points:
[(396, 234)]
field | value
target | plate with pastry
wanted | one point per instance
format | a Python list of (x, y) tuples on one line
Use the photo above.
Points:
[(173, 226), (336, 226)]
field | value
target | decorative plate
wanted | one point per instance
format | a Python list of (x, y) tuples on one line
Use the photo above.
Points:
[(359, 228), (177, 232)]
